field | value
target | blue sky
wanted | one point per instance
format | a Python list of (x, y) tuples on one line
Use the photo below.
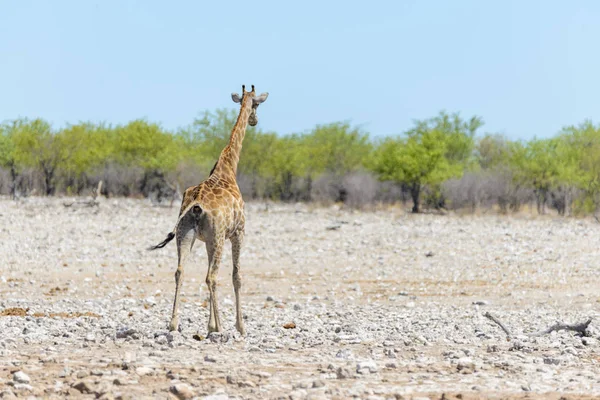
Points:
[(526, 67)]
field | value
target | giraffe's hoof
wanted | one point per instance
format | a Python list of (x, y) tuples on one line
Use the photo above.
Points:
[(174, 325), (240, 328), (214, 329)]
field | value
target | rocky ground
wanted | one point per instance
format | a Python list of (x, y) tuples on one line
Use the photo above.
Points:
[(338, 304)]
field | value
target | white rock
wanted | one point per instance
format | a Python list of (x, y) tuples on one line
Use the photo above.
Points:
[(142, 371), (465, 363), (21, 377), (366, 367)]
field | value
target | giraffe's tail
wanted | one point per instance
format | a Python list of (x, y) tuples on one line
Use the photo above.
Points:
[(196, 212), (162, 244)]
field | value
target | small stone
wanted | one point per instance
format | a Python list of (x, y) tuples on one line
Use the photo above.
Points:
[(492, 348), (84, 387), (173, 336), (289, 325), (343, 353), (551, 361), (21, 377), (162, 340), (172, 375), (297, 307), (298, 394), (570, 350), (7, 394), (343, 373), (243, 384), (218, 337), (260, 374), (182, 391), (23, 387), (143, 371), (150, 301), (210, 359), (270, 298), (125, 332), (82, 374), (465, 363), (481, 303), (318, 383), (366, 367)]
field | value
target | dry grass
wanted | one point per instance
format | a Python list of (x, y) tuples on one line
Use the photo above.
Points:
[(14, 312)]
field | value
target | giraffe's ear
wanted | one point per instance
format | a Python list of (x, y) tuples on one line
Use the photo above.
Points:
[(236, 98), (261, 98)]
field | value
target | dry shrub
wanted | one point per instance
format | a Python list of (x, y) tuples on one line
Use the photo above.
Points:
[(119, 180), (187, 174), (390, 192), (484, 189), (5, 181), (326, 189), (360, 189), (75, 314), (355, 189)]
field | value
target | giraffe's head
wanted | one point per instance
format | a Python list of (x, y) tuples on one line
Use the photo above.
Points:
[(250, 96)]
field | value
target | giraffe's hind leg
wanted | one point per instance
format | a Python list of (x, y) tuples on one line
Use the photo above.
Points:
[(214, 249), (236, 247), (185, 241)]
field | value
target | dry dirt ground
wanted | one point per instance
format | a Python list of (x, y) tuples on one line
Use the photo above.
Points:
[(385, 305)]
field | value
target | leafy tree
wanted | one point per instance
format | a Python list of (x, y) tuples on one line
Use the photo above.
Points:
[(286, 163), (7, 154), (146, 146), (336, 148), (535, 164), (579, 150), (492, 151), (258, 148), (431, 152), (85, 147), (36, 146)]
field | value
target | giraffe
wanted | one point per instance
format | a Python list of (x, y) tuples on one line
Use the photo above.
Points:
[(213, 212)]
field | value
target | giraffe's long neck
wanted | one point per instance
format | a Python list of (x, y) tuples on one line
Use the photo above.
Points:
[(230, 156)]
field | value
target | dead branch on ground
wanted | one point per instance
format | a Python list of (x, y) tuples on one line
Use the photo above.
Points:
[(497, 321), (580, 328), (559, 326)]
